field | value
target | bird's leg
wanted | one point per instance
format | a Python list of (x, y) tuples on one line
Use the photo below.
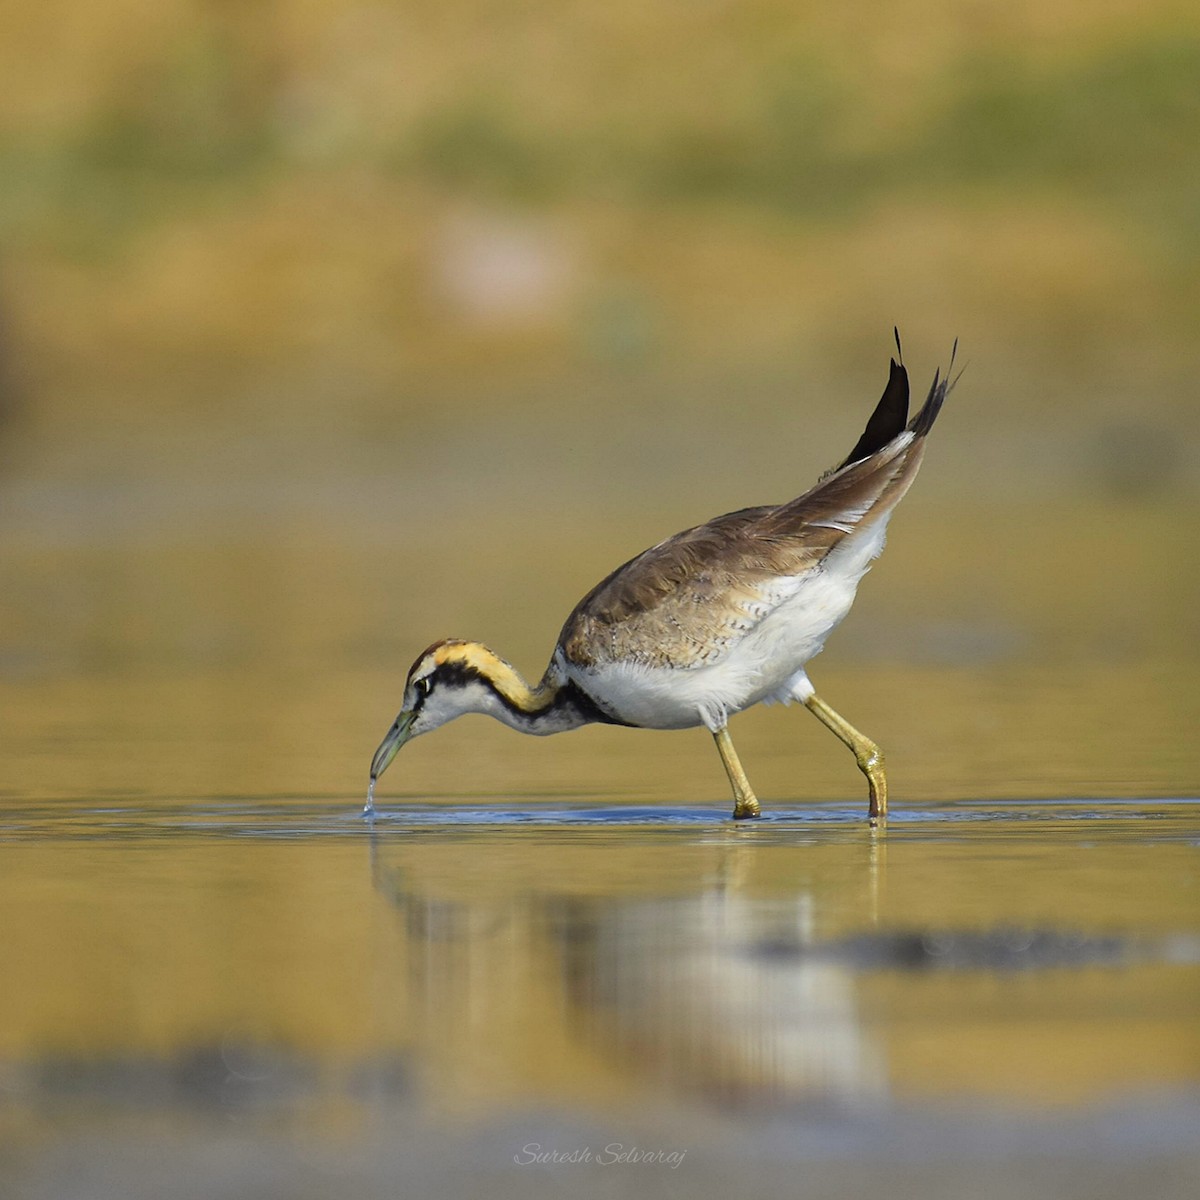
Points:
[(868, 755), (745, 803)]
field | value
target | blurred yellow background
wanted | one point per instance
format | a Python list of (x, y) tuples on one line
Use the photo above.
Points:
[(327, 329), (454, 241)]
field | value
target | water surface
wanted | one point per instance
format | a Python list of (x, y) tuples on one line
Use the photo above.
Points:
[(218, 980)]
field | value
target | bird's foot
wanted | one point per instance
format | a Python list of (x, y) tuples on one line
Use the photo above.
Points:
[(870, 762)]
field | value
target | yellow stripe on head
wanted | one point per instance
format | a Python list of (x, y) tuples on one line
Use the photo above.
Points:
[(476, 659)]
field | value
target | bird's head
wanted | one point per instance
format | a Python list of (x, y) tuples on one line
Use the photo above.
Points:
[(452, 677)]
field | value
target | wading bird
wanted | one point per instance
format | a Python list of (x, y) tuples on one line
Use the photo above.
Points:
[(705, 624)]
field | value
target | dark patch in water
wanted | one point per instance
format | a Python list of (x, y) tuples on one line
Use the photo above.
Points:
[(961, 950), (228, 1075)]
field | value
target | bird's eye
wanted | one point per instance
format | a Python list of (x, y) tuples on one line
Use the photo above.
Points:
[(422, 687)]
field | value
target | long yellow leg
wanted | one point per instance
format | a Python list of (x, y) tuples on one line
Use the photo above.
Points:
[(868, 755), (745, 803)]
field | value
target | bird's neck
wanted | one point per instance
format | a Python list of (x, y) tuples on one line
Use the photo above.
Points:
[(529, 709), (554, 705)]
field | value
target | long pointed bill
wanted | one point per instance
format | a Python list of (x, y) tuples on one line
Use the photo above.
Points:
[(390, 746)]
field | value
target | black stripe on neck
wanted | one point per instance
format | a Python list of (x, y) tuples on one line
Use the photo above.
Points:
[(572, 697), (567, 699)]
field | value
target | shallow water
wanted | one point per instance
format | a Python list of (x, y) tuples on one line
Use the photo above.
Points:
[(565, 972), (219, 980)]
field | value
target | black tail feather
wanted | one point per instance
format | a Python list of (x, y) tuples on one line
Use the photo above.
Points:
[(887, 421), (923, 421)]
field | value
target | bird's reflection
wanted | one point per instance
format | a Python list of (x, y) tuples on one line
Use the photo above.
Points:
[(697, 982), (690, 990)]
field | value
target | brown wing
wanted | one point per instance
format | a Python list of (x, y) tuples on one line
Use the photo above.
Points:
[(683, 602), (680, 602)]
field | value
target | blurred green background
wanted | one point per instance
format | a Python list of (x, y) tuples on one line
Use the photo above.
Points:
[(442, 235)]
